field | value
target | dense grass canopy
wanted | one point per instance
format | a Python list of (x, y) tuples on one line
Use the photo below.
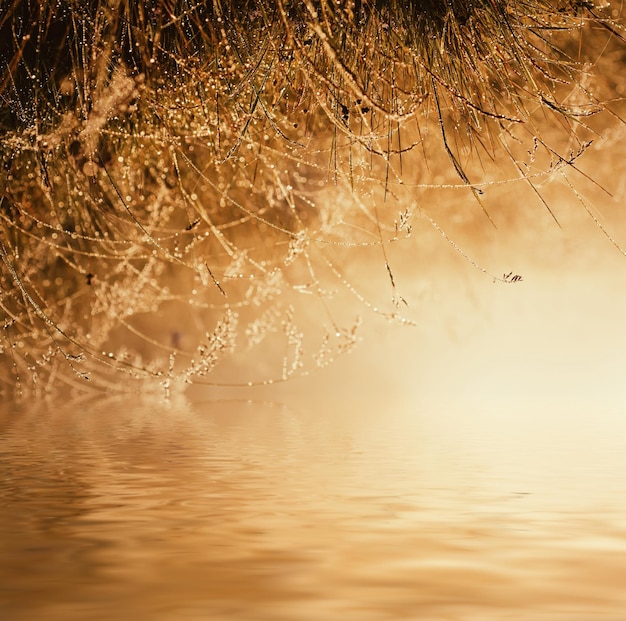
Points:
[(171, 169)]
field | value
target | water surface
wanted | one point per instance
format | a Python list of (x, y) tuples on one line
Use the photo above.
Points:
[(126, 508)]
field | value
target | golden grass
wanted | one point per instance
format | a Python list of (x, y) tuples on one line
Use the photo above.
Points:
[(173, 173)]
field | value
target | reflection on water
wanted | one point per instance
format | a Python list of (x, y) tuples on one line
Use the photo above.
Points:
[(261, 510)]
